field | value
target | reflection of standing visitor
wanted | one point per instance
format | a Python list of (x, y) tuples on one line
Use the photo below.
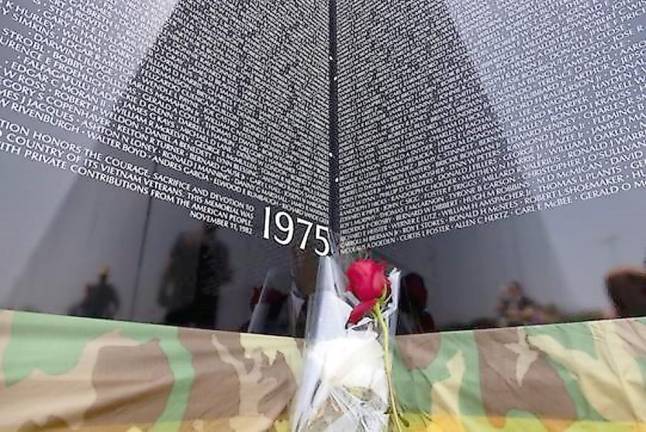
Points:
[(279, 305), (179, 279), (514, 307), (101, 299), (627, 290), (198, 267), (304, 266), (270, 313), (413, 317)]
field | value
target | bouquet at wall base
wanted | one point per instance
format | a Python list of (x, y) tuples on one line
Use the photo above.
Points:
[(346, 384)]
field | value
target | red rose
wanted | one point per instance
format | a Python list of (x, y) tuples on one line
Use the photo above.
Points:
[(367, 281), (361, 310)]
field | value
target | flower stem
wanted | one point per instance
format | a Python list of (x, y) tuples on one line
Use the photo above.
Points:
[(388, 365)]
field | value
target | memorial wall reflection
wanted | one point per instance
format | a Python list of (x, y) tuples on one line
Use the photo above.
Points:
[(495, 152), (139, 143)]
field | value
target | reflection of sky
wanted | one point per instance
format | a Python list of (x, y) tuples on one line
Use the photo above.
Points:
[(26, 209), (250, 260), (61, 233), (560, 256), (55, 239)]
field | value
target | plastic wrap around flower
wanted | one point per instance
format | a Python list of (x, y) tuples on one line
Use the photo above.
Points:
[(346, 383)]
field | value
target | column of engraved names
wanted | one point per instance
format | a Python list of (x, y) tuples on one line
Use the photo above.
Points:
[(67, 68), (247, 161), (434, 111), (538, 138), (240, 125), (65, 65), (167, 114), (571, 105), (544, 113), (378, 130), (476, 178), (360, 169)]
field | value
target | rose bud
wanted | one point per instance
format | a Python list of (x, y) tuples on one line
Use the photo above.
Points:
[(367, 279)]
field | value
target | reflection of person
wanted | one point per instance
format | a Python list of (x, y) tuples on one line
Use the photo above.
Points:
[(101, 299), (627, 290), (413, 317), (514, 307), (198, 267), (279, 305), (270, 308), (304, 264), (268, 305), (178, 282)]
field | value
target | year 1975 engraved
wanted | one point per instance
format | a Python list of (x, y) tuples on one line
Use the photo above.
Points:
[(285, 229)]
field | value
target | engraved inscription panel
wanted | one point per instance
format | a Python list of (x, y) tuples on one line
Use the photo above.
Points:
[(454, 114)]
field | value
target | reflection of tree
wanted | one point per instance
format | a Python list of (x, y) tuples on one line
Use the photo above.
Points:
[(198, 267)]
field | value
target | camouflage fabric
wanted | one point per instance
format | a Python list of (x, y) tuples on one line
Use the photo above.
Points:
[(62, 373), (567, 377)]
